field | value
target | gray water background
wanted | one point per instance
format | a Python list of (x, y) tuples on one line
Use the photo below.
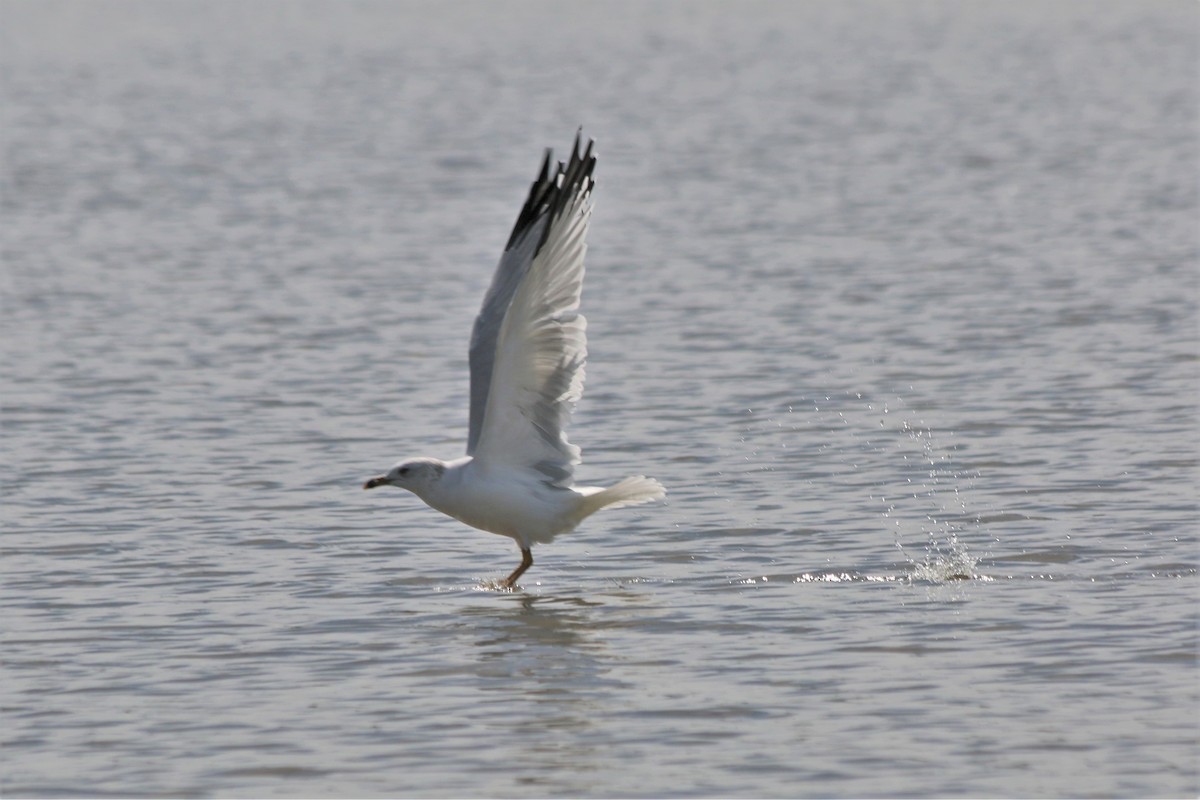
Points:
[(887, 295)]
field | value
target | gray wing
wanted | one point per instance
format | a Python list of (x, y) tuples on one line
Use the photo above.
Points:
[(518, 254), (528, 344)]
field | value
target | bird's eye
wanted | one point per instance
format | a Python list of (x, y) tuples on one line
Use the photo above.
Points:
[(404, 470)]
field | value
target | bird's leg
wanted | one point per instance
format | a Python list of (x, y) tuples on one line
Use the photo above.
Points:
[(526, 563)]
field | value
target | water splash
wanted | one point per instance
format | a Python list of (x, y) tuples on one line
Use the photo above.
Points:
[(952, 563), (844, 577), (860, 451), (934, 495)]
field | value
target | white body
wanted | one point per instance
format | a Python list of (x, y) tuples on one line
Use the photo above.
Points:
[(514, 502)]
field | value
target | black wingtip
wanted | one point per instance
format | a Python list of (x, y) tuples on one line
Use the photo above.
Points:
[(550, 193)]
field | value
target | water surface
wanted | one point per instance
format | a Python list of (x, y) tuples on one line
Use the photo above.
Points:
[(899, 301)]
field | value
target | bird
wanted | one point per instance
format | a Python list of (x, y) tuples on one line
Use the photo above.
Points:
[(527, 351)]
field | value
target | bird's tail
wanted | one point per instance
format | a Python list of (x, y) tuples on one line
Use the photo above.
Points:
[(629, 492)]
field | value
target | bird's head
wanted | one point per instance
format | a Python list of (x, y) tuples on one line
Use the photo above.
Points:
[(415, 475)]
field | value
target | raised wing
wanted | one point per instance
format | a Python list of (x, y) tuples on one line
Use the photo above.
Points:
[(529, 344)]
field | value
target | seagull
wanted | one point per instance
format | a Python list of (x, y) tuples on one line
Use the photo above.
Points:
[(527, 352)]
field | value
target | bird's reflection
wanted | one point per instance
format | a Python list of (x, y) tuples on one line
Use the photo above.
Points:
[(545, 663), (531, 621)]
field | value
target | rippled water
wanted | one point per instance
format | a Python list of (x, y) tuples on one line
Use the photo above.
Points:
[(899, 301)]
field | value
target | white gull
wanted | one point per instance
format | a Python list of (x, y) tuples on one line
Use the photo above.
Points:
[(527, 352)]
